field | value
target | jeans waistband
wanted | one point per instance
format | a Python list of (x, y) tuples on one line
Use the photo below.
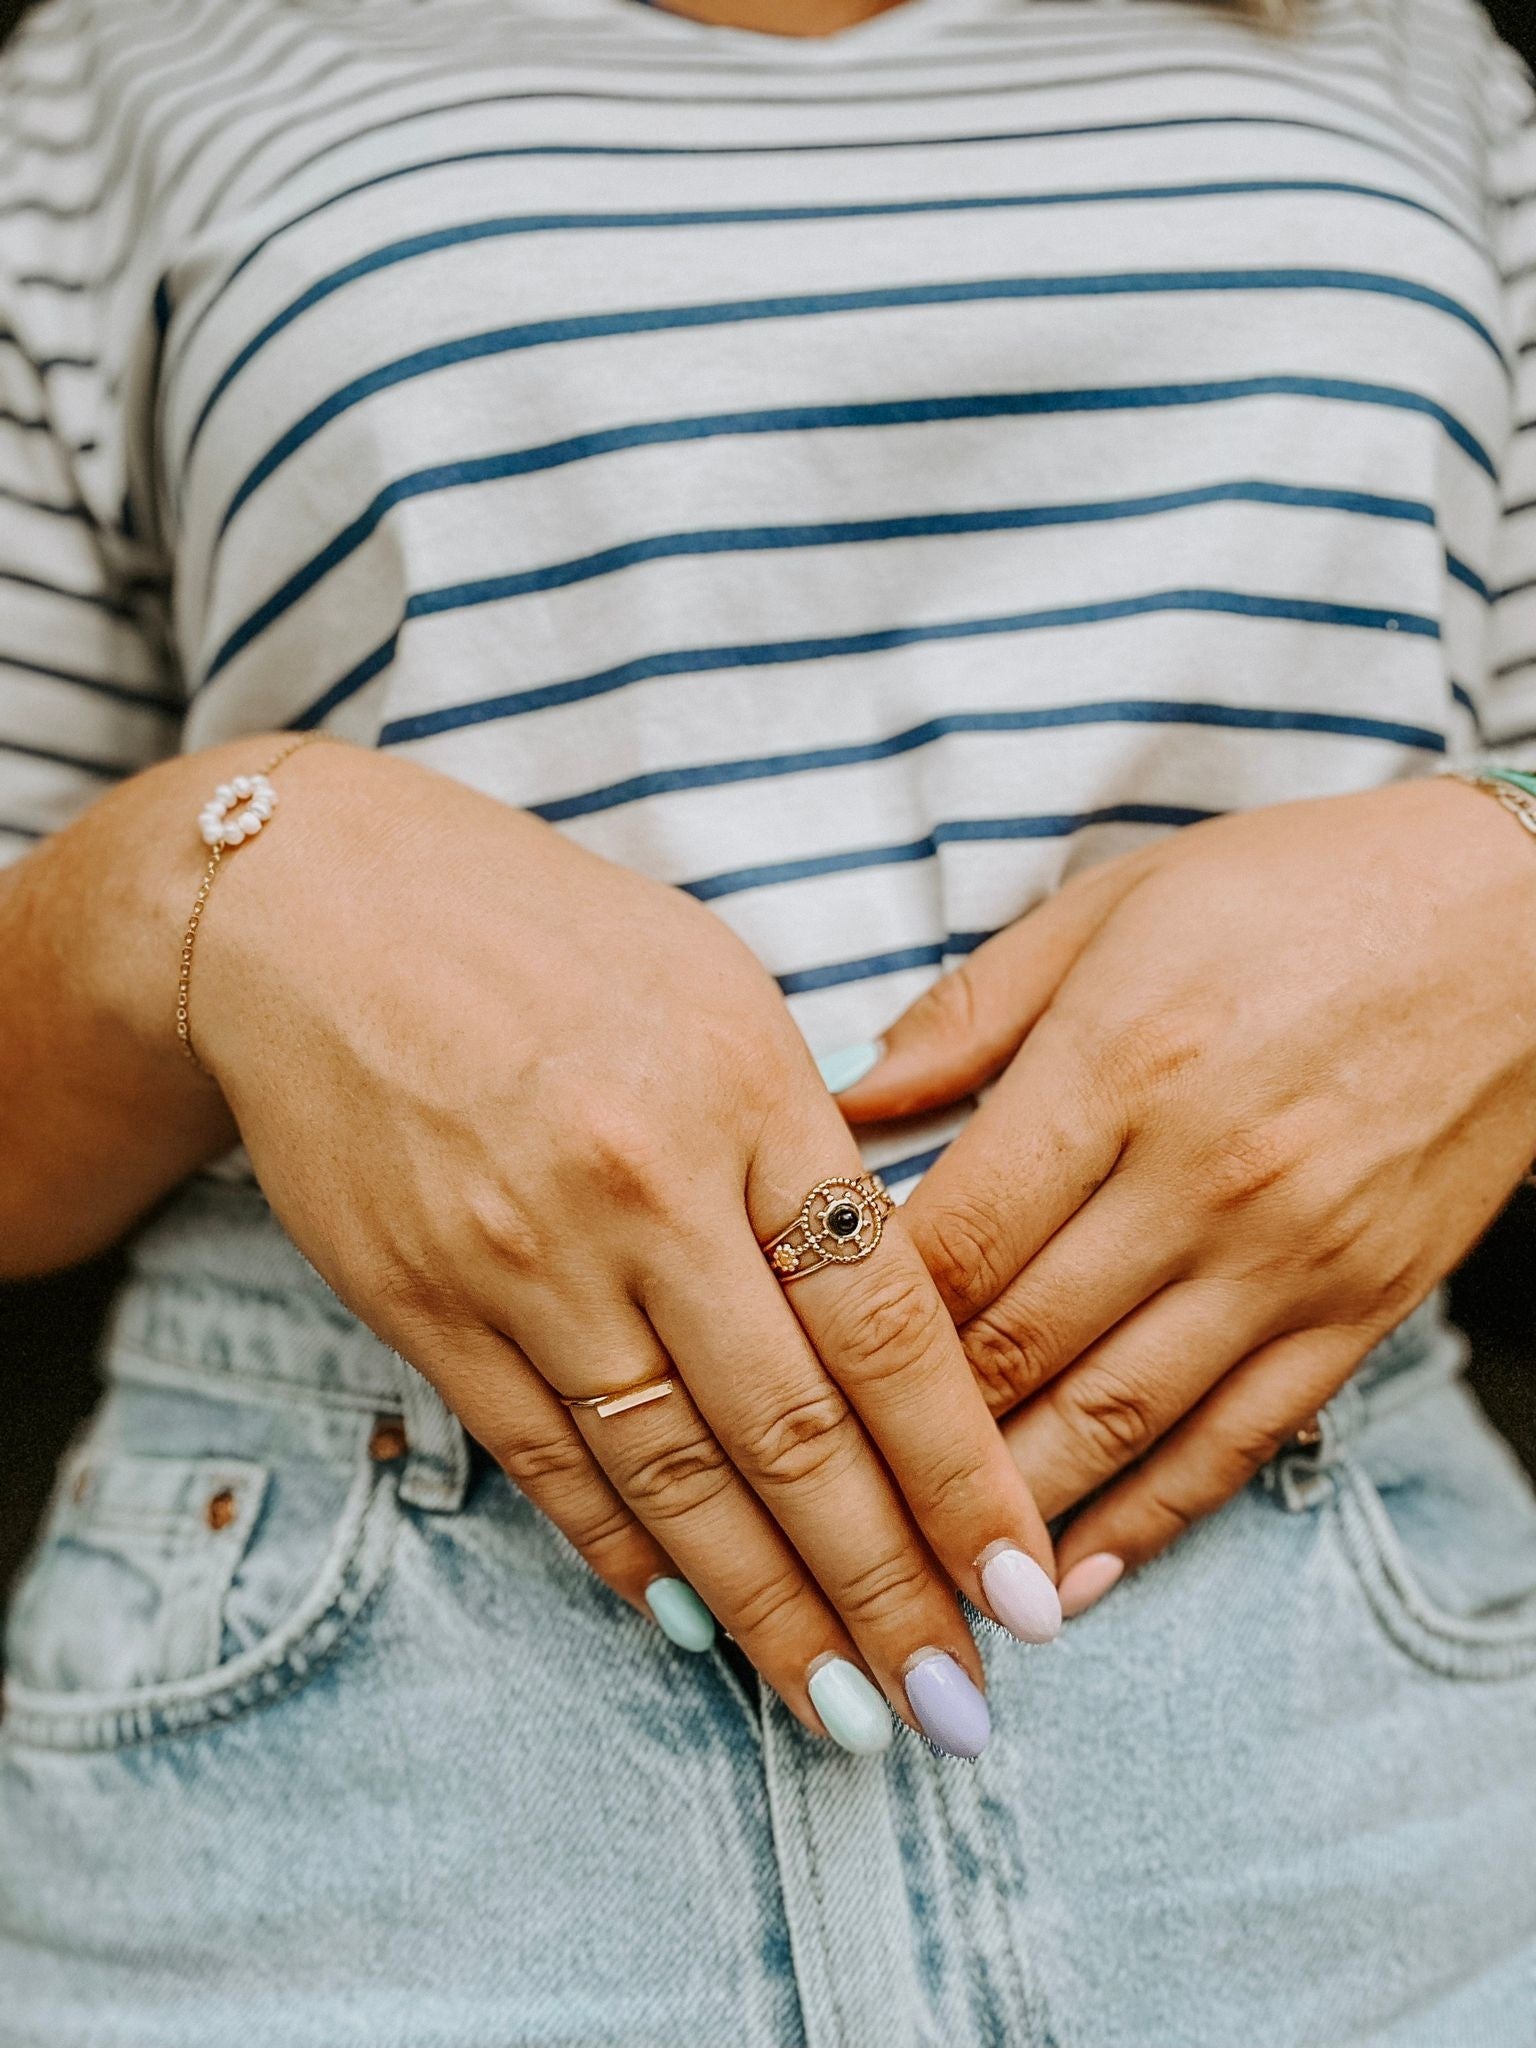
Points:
[(218, 1296)]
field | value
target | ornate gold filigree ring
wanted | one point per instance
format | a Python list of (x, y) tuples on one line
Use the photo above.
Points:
[(840, 1222)]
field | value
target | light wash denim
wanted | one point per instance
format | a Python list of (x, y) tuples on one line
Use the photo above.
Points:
[(308, 1744)]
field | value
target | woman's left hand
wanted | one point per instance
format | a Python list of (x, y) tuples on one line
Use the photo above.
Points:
[(1261, 1087)]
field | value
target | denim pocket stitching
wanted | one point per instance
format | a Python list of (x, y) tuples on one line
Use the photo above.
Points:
[(1444, 1643), (349, 1577)]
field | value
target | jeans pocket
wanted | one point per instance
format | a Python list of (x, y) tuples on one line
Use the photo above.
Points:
[(128, 1585), (1438, 1523), (168, 1592)]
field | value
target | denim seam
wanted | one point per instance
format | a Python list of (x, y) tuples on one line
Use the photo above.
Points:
[(1444, 1643), (352, 1573), (245, 1386), (818, 1893)]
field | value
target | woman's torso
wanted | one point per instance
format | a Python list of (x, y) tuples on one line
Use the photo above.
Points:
[(858, 481)]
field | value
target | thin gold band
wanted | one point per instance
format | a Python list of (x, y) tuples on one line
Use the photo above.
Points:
[(631, 1397)]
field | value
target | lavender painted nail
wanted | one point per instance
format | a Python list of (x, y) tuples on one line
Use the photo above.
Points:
[(1020, 1594), (951, 1712)]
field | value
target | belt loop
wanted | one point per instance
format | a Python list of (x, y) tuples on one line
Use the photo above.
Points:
[(436, 1475)]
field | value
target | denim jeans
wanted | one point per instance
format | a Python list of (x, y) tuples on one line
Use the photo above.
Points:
[(317, 1734)]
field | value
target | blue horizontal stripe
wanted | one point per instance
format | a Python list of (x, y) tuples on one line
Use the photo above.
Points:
[(96, 599), (107, 769), (1463, 572), (763, 654), (872, 965), (910, 1168), (100, 686), (853, 532), (1045, 718), (666, 319), (801, 148), (15, 831), (430, 243), (839, 972), (73, 510), (956, 832), (549, 455)]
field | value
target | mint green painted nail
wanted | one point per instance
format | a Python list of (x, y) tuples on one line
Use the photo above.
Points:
[(680, 1614), (849, 1064), (851, 1710)]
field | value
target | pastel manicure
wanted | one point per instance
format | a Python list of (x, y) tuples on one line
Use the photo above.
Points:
[(680, 1614), (848, 1064), (853, 1713), (950, 1711), (1089, 1580), (1021, 1595)]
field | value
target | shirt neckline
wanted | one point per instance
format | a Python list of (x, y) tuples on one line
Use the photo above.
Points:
[(893, 27)]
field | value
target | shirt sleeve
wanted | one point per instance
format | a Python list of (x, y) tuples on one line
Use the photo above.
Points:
[(1505, 699), (88, 690)]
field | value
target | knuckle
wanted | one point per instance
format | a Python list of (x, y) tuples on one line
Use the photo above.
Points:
[(678, 1480), (803, 1440), (887, 1325), (769, 1606), (623, 1162), (949, 1491), (1252, 1444), (1008, 1359), (1119, 1421), (878, 1593), (542, 1462), (1174, 1517), (1248, 1165), (613, 1546), (1147, 1054), (960, 1249), (948, 1009), (504, 1229)]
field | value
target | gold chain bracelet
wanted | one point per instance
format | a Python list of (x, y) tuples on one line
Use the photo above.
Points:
[(235, 812)]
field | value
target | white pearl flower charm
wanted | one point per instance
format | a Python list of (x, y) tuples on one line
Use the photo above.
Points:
[(237, 810)]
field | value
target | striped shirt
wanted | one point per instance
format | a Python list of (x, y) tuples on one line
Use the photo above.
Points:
[(859, 481)]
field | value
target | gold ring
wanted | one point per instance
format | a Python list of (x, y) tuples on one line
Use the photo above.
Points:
[(626, 1397), (840, 1222)]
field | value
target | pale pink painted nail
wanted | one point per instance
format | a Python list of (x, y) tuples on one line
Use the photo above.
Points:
[(1089, 1580), (1020, 1594)]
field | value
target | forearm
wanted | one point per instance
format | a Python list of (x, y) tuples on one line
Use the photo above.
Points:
[(100, 1113)]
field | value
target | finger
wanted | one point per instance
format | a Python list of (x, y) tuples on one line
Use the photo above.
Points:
[(884, 1336), (1116, 1253), (1131, 1388), (792, 1433), (511, 1410), (1046, 1139), (962, 1030), (674, 1476), (1235, 1431)]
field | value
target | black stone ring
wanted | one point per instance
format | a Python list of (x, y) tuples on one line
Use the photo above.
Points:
[(840, 1222)]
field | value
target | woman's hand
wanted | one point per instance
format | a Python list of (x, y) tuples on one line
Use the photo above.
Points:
[(1262, 1085), (531, 1115)]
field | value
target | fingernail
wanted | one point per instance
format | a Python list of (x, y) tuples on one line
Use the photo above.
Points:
[(1020, 1594), (1089, 1580), (680, 1614), (951, 1712), (849, 1064), (852, 1711)]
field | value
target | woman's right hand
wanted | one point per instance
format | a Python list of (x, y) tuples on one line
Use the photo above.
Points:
[(532, 1115)]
